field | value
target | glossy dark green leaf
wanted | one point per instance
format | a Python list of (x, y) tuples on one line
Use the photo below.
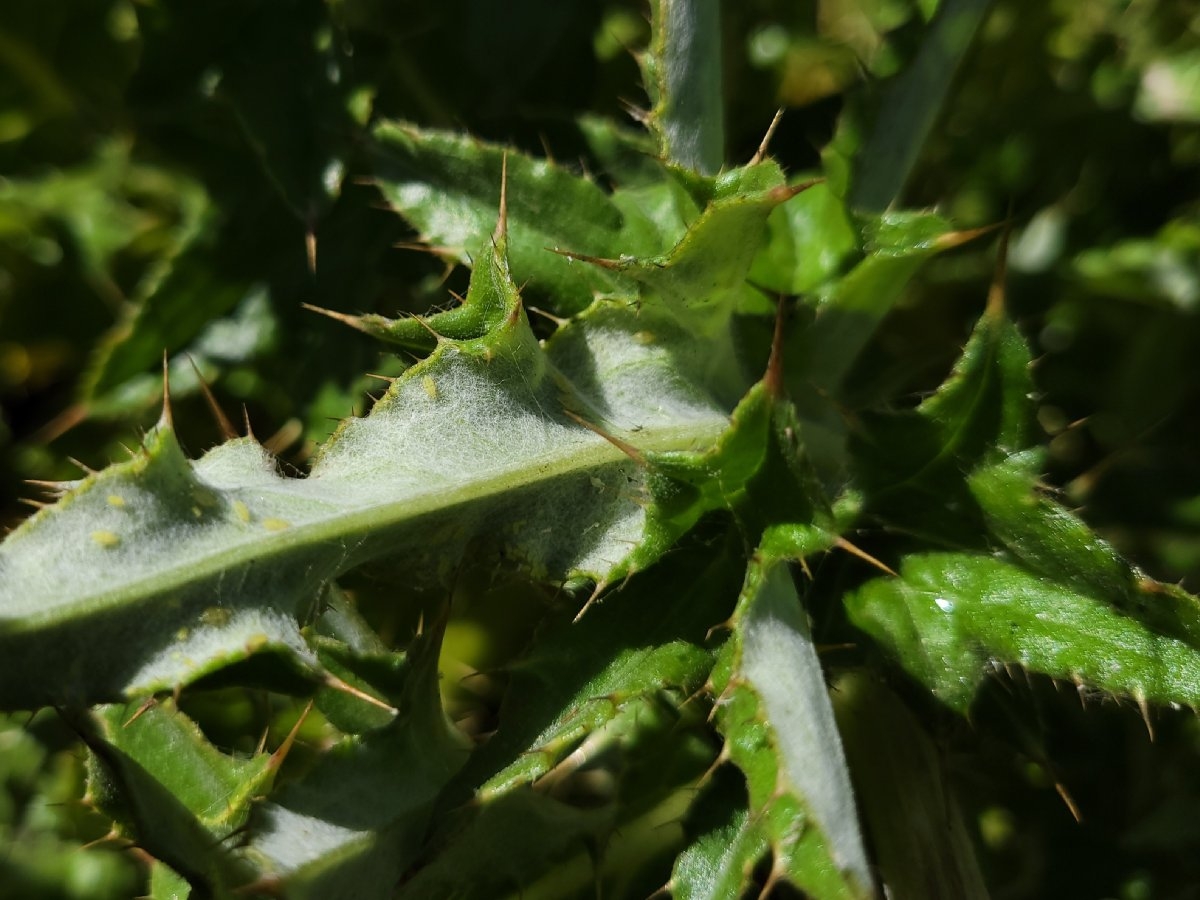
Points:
[(952, 620)]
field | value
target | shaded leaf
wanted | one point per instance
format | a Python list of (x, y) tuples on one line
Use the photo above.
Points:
[(917, 831)]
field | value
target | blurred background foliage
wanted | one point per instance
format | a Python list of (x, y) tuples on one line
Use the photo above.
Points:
[(182, 177)]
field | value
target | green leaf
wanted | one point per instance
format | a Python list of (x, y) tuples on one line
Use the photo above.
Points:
[(610, 695), (849, 309), (1052, 542), (167, 884), (809, 241), (235, 325), (909, 104), (171, 791), (703, 274), (951, 620), (448, 187), (773, 709), (207, 561), (624, 656), (718, 865), (682, 71), (912, 464), (356, 822)]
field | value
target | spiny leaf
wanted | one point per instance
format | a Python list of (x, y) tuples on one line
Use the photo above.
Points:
[(596, 696), (774, 711), (188, 566), (952, 619), (849, 309), (644, 243), (912, 464), (718, 865), (167, 884), (1052, 542), (809, 241), (644, 642), (700, 277), (172, 791), (448, 187)]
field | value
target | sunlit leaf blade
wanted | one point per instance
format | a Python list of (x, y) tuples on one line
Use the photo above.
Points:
[(809, 241), (167, 884), (720, 863), (700, 277), (951, 620), (188, 566), (773, 709), (917, 832)]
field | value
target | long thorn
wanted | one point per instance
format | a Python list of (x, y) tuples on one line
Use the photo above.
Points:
[(501, 232), (332, 681), (1072, 807), (167, 420), (599, 589), (628, 449), (141, 711), (88, 470), (761, 153), (227, 429), (995, 300), (862, 554), (285, 748)]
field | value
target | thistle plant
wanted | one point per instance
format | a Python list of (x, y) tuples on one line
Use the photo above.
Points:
[(743, 577)]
